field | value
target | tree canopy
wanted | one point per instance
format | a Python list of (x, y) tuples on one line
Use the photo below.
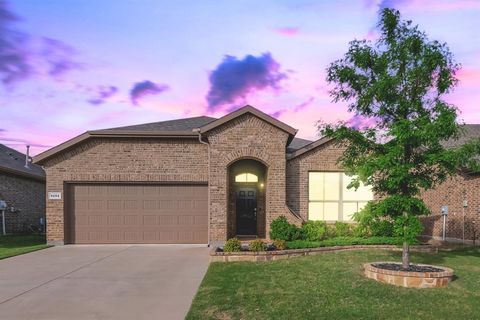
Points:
[(398, 84)]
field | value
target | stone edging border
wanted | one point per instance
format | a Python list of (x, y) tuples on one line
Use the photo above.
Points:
[(409, 279), (216, 256)]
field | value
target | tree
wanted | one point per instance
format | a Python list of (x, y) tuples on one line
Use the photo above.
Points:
[(398, 83)]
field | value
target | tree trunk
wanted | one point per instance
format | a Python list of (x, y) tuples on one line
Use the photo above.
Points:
[(406, 249), (405, 255)]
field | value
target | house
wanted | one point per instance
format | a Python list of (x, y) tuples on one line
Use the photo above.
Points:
[(22, 187), (460, 195), (194, 180)]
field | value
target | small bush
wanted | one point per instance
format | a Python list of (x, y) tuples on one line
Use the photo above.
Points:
[(281, 229), (257, 245), (314, 230), (382, 228), (344, 241), (342, 229), (371, 223), (280, 244), (232, 245)]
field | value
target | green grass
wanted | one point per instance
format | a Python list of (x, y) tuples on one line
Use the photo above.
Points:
[(332, 286), (12, 245), (343, 241)]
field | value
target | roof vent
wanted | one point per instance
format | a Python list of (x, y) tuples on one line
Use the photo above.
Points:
[(27, 158)]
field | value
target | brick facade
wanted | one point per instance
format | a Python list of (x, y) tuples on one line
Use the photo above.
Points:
[(460, 219), (322, 158), (27, 196), (121, 160), (246, 137)]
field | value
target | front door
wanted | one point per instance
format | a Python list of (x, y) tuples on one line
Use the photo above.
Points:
[(246, 205)]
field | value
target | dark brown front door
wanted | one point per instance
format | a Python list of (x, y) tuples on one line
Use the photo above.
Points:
[(246, 211)]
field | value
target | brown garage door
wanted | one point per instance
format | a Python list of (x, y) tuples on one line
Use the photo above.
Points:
[(112, 213)]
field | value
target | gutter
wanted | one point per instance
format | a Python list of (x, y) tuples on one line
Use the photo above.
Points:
[(198, 131)]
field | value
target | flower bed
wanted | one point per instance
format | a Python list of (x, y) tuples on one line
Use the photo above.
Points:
[(217, 254), (417, 276)]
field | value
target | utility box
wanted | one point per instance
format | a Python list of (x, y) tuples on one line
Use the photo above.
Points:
[(444, 210)]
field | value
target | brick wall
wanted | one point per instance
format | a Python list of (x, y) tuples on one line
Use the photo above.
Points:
[(246, 137), (27, 196), (121, 160), (452, 193), (322, 158)]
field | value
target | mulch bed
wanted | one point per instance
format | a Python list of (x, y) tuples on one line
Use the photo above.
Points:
[(411, 268)]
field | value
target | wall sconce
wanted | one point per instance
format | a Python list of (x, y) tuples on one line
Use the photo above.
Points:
[(262, 185)]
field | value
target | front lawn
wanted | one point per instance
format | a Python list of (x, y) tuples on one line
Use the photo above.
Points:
[(12, 245), (332, 286)]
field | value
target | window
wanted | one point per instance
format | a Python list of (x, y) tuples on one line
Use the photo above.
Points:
[(246, 177), (330, 199)]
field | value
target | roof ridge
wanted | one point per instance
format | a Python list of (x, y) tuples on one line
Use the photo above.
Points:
[(157, 122)]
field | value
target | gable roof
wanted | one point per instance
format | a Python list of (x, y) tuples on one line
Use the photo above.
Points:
[(315, 144), (297, 143), (180, 128), (186, 125), (12, 161), (249, 109)]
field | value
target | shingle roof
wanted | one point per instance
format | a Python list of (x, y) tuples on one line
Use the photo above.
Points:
[(297, 143), (13, 162), (186, 124), (469, 132)]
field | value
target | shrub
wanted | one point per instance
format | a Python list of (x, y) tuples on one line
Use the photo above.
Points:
[(232, 245), (314, 230), (281, 229), (344, 241), (371, 223), (280, 244), (257, 245), (342, 229), (382, 228)]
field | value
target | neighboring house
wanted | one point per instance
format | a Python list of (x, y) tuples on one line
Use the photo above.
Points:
[(462, 197), (195, 180), (22, 186)]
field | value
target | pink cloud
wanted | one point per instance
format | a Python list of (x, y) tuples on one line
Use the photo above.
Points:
[(430, 5), (287, 31)]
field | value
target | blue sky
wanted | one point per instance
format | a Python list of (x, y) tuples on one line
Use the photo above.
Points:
[(98, 64)]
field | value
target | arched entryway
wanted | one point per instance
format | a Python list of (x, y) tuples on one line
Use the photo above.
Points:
[(246, 198)]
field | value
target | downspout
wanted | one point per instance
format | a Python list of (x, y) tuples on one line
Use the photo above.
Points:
[(208, 182)]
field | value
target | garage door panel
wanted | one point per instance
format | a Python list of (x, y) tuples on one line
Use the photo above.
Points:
[(138, 213)]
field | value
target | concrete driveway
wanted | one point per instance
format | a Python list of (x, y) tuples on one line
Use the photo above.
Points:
[(102, 282)]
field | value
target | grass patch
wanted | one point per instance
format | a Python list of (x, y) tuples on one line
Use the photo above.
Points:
[(12, 245), (343, 241), (332, 286)]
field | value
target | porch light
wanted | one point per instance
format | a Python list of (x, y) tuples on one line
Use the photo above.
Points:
[(261, 185)]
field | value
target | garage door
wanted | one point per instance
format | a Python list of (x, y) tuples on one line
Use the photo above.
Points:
[(137, 214)]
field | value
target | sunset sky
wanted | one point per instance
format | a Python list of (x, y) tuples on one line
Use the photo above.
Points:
[(67, 66)]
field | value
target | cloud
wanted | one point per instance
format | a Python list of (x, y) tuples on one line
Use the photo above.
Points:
[(392, 3), (287, 31), (234, 79), (14, 57), (58, 56), (358, 122), (20, 59), (295, 109), (23, 142), (104, 92), (429, 5), (144, 88)]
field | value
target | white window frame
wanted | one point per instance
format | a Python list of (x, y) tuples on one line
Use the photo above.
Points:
[(340, 200)]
